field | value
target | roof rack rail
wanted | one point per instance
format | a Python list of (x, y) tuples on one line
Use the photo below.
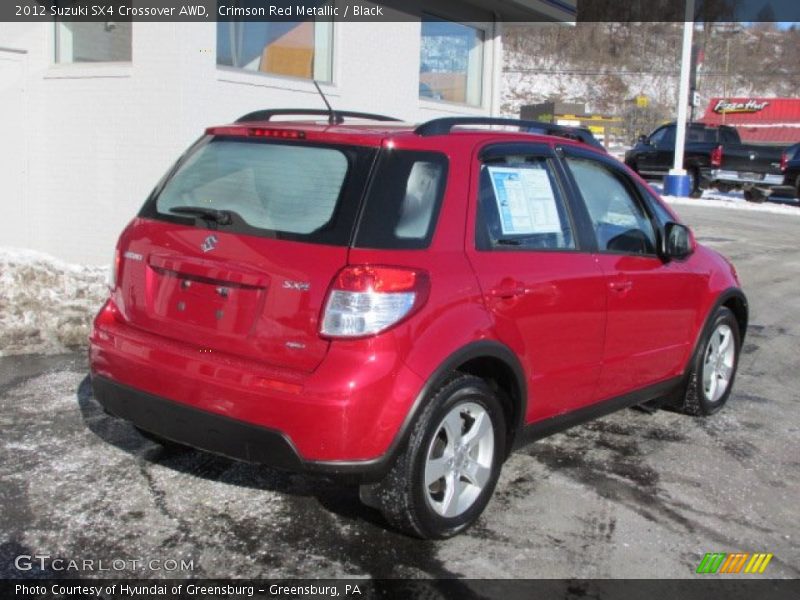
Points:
[(445, 125), (266, 115)]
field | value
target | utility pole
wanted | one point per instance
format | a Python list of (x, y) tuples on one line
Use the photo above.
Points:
[(727, 70), (678, 183), (732, 31)]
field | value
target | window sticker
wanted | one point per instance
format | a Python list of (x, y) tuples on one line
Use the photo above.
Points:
[(525, 200)]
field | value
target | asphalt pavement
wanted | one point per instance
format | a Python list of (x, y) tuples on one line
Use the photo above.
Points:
[(631, 495)]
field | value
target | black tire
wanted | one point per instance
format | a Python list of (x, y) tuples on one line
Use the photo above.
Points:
[(797, 188), (694, 183), (403, 497), (696, 400), (755, 196)]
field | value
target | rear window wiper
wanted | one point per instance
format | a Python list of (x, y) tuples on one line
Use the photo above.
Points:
[(223, 217)]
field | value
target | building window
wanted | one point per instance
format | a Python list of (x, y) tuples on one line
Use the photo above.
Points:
[(451, 61), (84, 42), (296, 49)]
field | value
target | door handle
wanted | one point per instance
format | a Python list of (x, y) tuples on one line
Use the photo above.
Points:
[(621, 286), (508, 289)]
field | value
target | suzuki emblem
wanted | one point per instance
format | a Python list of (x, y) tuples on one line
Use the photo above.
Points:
[(209, 243)]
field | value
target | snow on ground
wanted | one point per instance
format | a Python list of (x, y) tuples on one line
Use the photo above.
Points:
[(46, 305), (716, 202), (734, 200)]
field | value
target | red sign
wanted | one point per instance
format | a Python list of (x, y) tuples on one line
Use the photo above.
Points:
[(752, 110), (761, 120), (735, 106)]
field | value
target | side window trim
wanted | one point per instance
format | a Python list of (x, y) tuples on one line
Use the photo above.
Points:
[(495, 150), (630, 184)]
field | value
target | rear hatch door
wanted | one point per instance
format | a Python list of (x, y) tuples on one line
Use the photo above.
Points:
[(243, 266)]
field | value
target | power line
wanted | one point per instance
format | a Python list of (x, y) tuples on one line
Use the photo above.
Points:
[(650, 72)]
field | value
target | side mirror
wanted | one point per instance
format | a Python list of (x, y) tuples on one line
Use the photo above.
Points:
[(643, 139), (677, 241)]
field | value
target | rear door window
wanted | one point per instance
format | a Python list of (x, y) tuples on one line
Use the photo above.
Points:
[(521, 205), (729, 136), (403, 201), (291, 191)]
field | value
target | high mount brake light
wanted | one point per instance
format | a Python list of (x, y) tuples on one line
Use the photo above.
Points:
[(283, 134), (365, 300), (259, 132)]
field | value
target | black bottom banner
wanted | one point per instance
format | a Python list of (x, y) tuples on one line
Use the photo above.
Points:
[(433, 589)]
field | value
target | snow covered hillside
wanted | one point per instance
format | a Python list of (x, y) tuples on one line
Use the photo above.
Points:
[(608, 64)]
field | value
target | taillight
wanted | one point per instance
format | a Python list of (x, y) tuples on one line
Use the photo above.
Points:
[(716, 157), (365, 300), (113, 270), (108, 315), (784, 161)]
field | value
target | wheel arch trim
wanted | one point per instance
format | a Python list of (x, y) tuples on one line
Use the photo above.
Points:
[(742, 319), (375, 469), (477, 350)]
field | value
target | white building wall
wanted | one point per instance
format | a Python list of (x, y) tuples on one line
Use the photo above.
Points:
[(89, 141)]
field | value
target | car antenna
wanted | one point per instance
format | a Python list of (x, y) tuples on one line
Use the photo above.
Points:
[(334, 118)]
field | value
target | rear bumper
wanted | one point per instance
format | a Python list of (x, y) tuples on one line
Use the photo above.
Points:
[(196, 428), (346, 418), (737, 178)]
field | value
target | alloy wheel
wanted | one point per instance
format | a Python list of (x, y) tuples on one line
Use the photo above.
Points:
[(458, 463), (718, 363)]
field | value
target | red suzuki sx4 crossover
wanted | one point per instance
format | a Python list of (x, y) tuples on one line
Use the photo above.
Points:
[(402, 306)]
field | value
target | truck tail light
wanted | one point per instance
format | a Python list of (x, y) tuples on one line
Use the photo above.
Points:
[(365, 300), (784, 161), (716, 157)]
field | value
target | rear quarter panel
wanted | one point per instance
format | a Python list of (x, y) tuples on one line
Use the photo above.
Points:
[(454, 314)]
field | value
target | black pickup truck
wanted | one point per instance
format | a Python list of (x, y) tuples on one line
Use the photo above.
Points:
[(714, 157), (790, 165)]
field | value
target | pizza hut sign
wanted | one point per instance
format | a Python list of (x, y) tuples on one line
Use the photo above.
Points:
[(726, 107)]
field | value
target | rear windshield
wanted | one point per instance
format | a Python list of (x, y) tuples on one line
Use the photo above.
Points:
[(703, 134), (283, 190)]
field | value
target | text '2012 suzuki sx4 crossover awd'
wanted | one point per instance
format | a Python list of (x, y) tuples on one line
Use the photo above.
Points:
[(402, 306)]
